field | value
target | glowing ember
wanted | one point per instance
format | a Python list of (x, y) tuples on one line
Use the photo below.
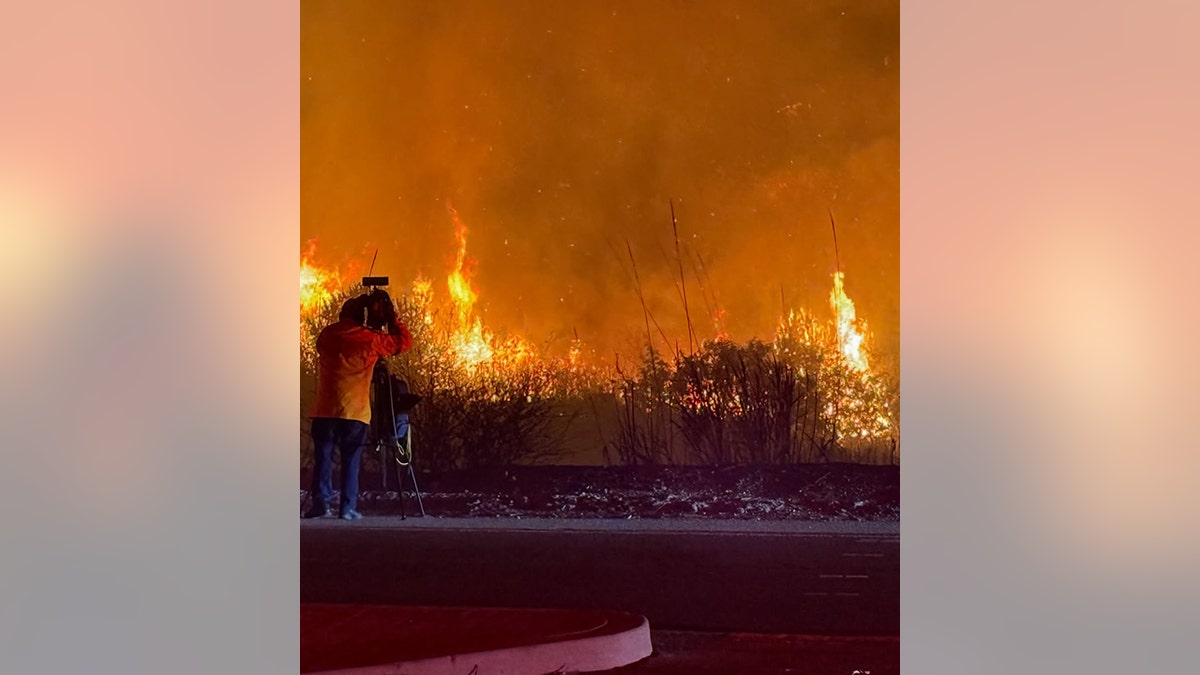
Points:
[(849, 339), (718, 319)]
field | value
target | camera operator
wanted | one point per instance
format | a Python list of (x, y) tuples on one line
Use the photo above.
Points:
[(346, 355)]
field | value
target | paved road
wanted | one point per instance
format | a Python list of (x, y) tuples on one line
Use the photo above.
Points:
[(766, 577), (677, 653)]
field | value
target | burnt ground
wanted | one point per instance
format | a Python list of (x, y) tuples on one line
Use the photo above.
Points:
[(821, 492)]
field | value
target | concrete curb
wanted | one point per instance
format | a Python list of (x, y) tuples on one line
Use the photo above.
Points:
[(608, 640)]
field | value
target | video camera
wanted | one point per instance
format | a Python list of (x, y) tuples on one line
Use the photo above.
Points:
[(373, 308), (379, 308)]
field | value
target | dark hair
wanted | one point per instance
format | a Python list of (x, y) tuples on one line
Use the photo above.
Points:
[(352, 309)]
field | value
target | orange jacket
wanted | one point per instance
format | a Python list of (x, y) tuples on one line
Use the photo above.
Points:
[(346, 356)]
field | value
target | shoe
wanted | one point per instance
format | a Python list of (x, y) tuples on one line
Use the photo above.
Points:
[(318, 513), (351, 515)]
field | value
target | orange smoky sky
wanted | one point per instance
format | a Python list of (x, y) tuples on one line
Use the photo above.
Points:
[(559, 131)]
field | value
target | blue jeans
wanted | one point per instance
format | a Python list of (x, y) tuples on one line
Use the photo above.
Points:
[(349, 436)]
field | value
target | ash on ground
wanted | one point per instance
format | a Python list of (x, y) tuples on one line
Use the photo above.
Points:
[(821, 492)]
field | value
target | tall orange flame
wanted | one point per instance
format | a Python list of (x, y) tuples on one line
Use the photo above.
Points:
[(469, 341), (460, 279), (857, 398), (849, 338)]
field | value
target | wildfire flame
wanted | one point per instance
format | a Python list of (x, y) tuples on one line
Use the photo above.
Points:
[(459, 281), (718, 319), (833, 352), (318, 286), (849, 338), (858, 404), (469, 341), (422, 290)]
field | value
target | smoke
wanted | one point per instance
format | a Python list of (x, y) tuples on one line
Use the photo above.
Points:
[(560, 130)]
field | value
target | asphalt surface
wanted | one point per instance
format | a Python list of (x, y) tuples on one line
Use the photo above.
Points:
[(679, 653), (684, 575)]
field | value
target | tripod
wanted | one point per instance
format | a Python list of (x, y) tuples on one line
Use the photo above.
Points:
[(392, 431)]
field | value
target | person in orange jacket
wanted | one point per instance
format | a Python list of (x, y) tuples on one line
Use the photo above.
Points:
[(367, 329)]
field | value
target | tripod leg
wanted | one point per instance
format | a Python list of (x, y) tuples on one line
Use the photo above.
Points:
[(400, 488), (416, 489), (383, 464), (411, 473)]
